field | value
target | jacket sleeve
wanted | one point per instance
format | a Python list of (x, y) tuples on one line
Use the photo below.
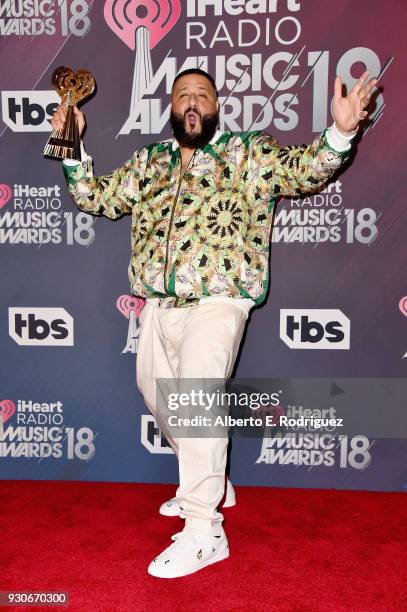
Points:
[(290, 170), (112, 195)]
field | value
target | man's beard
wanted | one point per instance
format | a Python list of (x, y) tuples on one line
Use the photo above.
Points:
[(209, 124)]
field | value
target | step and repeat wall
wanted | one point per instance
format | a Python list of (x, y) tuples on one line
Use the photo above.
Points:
[(336, 313)]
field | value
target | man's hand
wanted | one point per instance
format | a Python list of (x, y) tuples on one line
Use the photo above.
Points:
[(349, 110), (58, 118)]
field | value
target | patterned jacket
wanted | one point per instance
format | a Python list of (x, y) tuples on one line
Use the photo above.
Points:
[(206, 232)]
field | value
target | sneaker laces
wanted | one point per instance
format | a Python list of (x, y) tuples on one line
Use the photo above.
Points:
[(181, 540)]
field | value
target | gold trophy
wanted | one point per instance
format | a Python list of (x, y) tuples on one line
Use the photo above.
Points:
[(71, 87)]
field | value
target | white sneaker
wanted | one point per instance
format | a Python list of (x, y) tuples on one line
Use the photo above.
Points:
[(171, 507), (189, 553)]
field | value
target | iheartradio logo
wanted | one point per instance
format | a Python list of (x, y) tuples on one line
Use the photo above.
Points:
[(130, 307), (403, 305), (5, 194), (141, 26), (128, 303), (403, 310), (7, 409), (158, 17)]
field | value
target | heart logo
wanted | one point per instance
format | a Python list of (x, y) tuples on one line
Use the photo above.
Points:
[(124, 17), (127, 303), (72, 86), (7, 409), (403, 305), (5, 194)]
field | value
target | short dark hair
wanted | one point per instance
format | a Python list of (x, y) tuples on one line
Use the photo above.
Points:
[(196, 71)]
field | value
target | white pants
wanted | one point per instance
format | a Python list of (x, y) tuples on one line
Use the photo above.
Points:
[(199, 341)]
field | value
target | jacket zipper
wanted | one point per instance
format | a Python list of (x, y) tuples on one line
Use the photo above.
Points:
[(181, 177)]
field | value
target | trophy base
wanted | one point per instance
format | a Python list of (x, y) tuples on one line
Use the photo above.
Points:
[(60, 149)]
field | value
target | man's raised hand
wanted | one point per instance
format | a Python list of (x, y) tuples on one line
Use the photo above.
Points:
[(349, 110), (58, 118)]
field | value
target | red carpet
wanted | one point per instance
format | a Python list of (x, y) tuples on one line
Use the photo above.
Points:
[(291, 549)]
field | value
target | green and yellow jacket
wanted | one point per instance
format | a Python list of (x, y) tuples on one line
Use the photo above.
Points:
[(206, 232)]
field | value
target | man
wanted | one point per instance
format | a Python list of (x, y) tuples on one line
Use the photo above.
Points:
[(201, 206)]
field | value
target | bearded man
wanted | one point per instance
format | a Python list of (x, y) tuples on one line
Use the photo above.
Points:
[(202, 205)]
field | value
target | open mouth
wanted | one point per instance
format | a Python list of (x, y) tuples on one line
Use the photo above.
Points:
[(192, 119)]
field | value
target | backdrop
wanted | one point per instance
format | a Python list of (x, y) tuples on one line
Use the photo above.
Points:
[(69, 403)]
